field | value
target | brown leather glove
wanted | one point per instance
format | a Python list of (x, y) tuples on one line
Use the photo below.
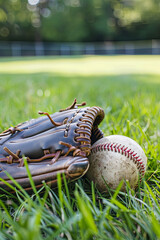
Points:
[(57, 143)]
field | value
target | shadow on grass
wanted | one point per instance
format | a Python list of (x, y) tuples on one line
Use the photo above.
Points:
[(54, 91), (106, 84), (30, 58)]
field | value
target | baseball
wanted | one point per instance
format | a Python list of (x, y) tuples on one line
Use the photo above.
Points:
[(115, 158)]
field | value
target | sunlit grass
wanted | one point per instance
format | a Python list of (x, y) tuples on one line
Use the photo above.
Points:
[(84, 66), (128, 89)]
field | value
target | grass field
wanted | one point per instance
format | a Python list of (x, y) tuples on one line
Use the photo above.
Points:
[(128, 89)]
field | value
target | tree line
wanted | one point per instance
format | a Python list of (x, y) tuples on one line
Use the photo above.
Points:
[(79, 20)]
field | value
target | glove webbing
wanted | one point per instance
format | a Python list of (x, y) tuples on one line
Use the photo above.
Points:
[(84, 131)]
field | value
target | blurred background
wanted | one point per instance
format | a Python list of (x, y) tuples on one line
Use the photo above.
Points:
[(75, 27)]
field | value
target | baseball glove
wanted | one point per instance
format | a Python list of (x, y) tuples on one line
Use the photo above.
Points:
[(51, 144)]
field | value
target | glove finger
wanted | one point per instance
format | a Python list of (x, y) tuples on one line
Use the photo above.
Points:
[(72, 167)]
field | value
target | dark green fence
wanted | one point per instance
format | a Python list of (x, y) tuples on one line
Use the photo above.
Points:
[(56, 49)]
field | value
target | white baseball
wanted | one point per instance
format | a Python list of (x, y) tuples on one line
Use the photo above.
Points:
[(115, 158)]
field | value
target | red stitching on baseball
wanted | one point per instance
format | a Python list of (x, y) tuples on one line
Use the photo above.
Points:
[(132, 155)]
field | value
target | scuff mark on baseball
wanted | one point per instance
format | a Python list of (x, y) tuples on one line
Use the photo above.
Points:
[(115, 158)]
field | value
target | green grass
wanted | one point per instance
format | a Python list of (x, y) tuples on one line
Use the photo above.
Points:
[(128, 89)]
